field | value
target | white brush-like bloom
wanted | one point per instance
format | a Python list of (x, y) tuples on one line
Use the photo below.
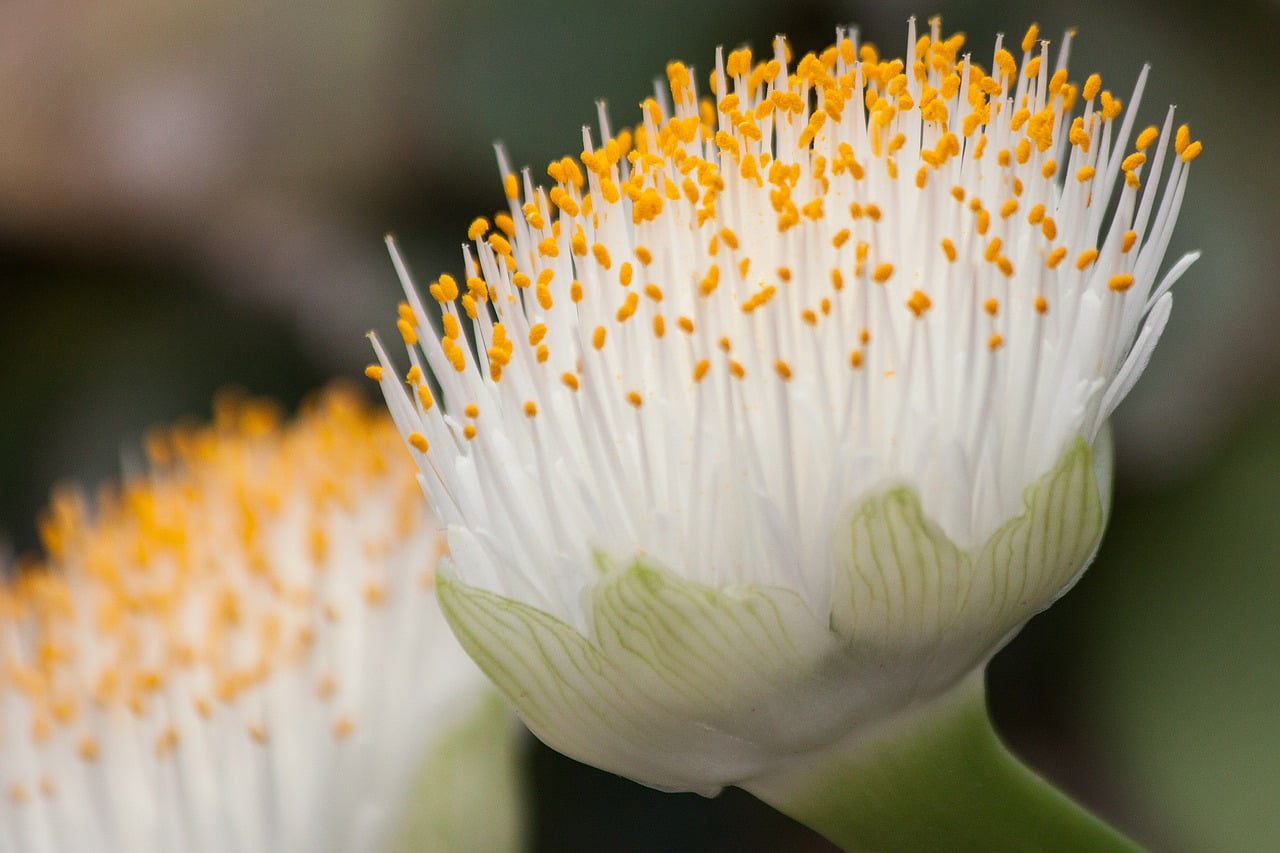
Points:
[(239, 650), (786, 409)]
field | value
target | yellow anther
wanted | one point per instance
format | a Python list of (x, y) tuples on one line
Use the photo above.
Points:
[(602, 255), (730, 239), (628, 307), (1120, 282), (419, 442), (452, 328), (1029, 40), (957, 192), (471, 410), (479, 226), (841, 237), (1055, 257), (542, 354), (1042, 305), (506, 225), (1049, 228), (625, 273), (1181, 139), (407, 332), (993, 249), (984, 220), (575, 291), (1192, 151), (995, 342), (873, 212), (530, 409), (1049, 169), (991, 306), (652, 291), (511, 184), (536, 333), (413, 375), (784, 273), (782, 369), (1004, 61), (919, 303), (1091, 87), (1145, 138), (499, 244), (1005, 265), (1130, 238), (597, 337), (855, 359), (570, 381), (578, 242), (374, 372), (469, 431), (1133, 161), (1033, 67), (737, 369), (1009, 208), (700, 369), (837, 280), (659, 326), (882, 272), (949, 249), (922, 177), (1036, 215), (1085, 258), (643, 255), (424, 397), (549, 248), (634, 398)]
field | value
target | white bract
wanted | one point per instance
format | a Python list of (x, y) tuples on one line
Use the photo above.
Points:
[(784, 410), (240, 650)]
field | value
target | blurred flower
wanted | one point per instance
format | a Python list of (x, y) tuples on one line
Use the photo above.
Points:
[(240, 649), (783, 411)]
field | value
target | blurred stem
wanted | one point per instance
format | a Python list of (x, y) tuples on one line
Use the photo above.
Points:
[(934, 778)]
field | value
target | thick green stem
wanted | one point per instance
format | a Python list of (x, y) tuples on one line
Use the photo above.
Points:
[(935, 778)]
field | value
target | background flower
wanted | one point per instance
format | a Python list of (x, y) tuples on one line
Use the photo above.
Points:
[(1139, 692), (240, 648)]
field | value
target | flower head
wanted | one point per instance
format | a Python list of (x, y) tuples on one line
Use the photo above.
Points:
[(239, 648), (786, 408)]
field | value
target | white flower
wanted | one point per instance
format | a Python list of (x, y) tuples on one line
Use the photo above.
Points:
[(786, 409), (240, 650)]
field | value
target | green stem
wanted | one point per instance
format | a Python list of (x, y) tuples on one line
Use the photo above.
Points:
[(935, 778)]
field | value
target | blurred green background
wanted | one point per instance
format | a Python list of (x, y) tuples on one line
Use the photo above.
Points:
[(193, 195)]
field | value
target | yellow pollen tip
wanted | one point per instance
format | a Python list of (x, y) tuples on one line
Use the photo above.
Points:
[(511, 185), (883, 272), (570, 381), (634, 398), (700, 369), (597, 337), (471, 410), (530, 409), (419, 442), (991, 306), (374, 372), (737, 369), (1192, 151), (479, 227), (919, 303), (407, 332), (995, 342), (782, 369), (469, 431), (1042, 305), (1121, 282)]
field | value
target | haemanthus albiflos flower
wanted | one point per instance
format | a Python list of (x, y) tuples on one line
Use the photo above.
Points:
[(239, 649), (784, 410)]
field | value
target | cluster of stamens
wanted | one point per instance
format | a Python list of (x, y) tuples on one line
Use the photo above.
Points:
[(913, 270)]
